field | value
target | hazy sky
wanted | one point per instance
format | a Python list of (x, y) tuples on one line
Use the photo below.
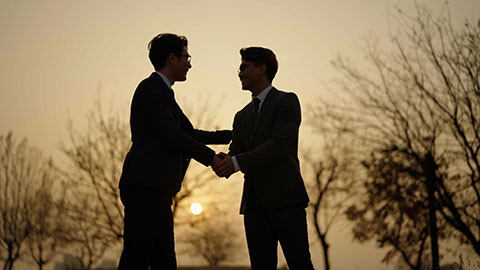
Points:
[(54, 55)]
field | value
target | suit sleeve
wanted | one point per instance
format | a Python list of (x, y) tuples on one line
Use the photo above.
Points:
[(205, 137), (286, 123), (213, 137), (235, 146), (158, 110)]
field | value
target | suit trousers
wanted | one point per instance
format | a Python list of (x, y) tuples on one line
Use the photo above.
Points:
[(265, 228), (148, 233)]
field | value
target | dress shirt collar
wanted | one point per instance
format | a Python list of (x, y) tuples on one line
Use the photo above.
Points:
[(164, 79), (263, 94)]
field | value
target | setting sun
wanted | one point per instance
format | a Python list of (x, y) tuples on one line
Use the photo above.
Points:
[(196, 208)]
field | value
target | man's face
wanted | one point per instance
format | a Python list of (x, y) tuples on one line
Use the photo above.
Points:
[(182, 66), (249, 74)]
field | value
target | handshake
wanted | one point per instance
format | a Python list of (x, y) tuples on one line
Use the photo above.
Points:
[(222, 165)]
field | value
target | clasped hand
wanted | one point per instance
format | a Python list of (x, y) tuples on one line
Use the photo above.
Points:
[(222, 165)]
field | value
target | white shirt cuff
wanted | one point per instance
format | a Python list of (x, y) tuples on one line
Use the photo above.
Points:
[(235, 164)]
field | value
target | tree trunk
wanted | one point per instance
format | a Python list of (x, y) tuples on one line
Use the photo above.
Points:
[(8, 265), (429, 172), (325, 247)]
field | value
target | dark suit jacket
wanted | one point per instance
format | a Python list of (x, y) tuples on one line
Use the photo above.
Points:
[(267, 153), (163, 140)]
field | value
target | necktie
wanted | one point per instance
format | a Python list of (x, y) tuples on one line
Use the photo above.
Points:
[(256, 103)]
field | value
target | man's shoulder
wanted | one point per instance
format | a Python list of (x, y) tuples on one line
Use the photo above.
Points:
[(154, 78), (153, 82), (283, 96), (244, 108), (241, 112)]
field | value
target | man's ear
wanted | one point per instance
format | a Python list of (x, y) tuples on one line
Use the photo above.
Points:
[(172, 58), (263, 68)]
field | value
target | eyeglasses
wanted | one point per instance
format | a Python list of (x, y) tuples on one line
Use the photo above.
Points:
[(188, 56)]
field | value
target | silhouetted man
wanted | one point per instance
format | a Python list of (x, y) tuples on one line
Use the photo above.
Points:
[(265, 148), (163, 141)]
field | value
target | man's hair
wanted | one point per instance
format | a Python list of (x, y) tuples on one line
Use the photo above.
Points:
[(260, 56), (163, 45)]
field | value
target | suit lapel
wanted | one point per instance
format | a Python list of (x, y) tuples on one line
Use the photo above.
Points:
[(265, 106)]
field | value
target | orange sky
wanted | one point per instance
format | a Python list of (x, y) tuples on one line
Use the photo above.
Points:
[(55, 54)]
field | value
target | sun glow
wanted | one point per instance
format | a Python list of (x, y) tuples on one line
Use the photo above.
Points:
[(196, 208)]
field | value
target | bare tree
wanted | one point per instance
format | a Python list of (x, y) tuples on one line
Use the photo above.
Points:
[(394, 209), (96, 156), (20, 166), (330, 173), (87, 238), (212, 237), (423, 100), (47, 218)]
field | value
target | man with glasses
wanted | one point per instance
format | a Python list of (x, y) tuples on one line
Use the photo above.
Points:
[(163, 142)]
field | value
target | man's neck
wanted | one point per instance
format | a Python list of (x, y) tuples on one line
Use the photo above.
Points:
[(257, 89), (167, 74)]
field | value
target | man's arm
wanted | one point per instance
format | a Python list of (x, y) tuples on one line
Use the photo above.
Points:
[(213, 137), (205, 137)]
